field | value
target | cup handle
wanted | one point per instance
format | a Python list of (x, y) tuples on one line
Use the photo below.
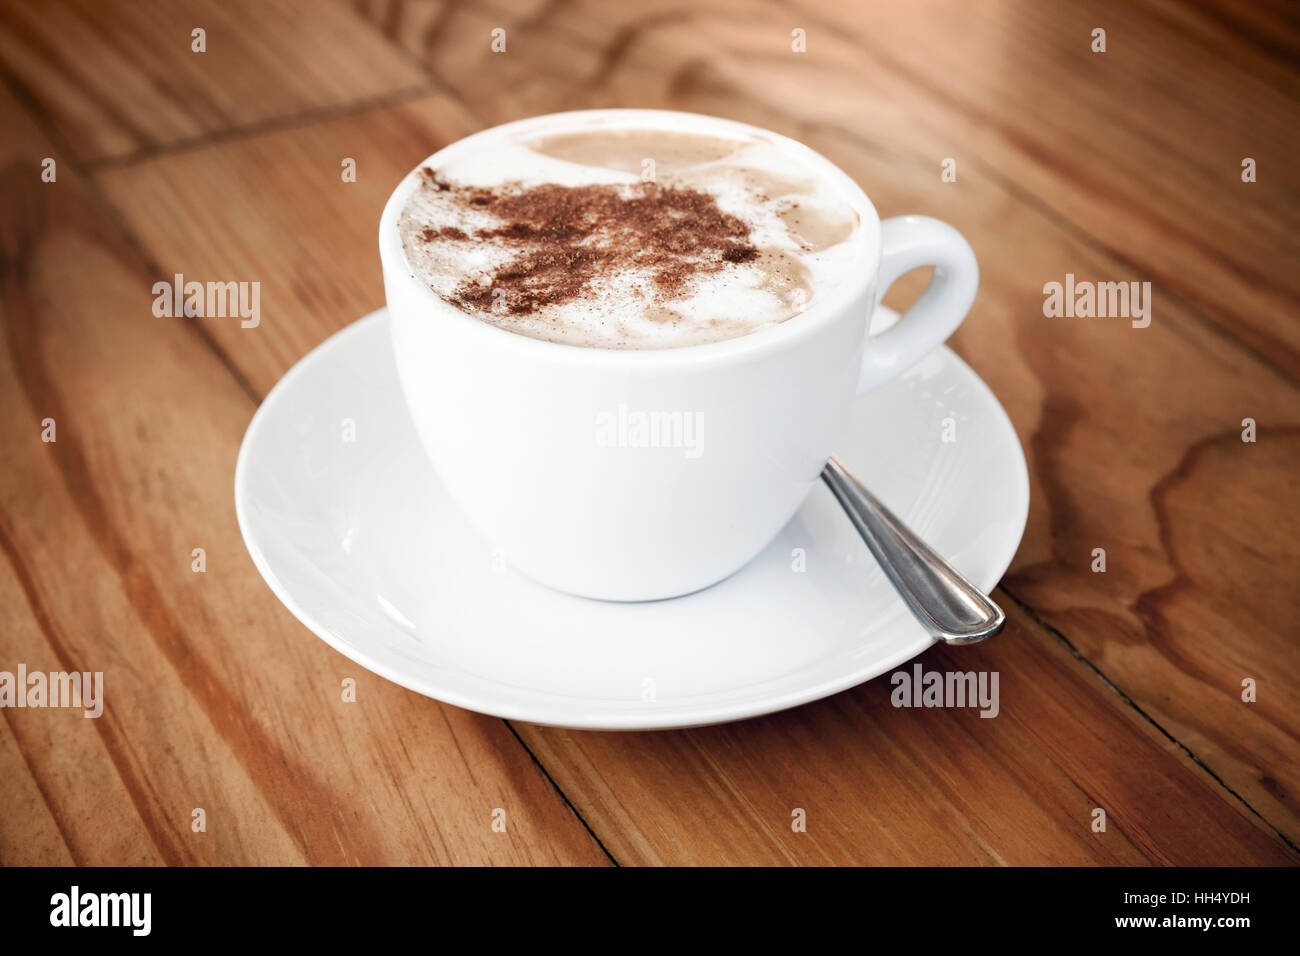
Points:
[(907, 243)]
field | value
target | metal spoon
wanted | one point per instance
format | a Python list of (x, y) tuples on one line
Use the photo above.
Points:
[(948, 606)]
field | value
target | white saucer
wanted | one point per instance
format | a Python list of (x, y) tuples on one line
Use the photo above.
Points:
[(358, 540)]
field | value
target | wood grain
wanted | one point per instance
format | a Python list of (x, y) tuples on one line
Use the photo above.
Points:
[(115, 77), (143, 192), (214, 698), (887, 786), (1112, 423), (1139, 148), (286, 218), (1120, 690)]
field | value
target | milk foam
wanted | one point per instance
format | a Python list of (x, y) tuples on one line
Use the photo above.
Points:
[(806, 233)]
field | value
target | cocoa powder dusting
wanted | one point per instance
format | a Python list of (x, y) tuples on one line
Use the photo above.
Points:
[(565, 237), (428, 233)]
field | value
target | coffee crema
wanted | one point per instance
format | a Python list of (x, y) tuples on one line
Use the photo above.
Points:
[(628, 238)]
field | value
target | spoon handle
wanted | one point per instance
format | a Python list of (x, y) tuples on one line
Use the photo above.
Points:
[(948, 606)]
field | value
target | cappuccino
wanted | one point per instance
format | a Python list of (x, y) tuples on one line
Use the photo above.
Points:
[(624, 238)]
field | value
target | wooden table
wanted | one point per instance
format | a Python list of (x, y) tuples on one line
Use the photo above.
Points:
[(1120, 690)]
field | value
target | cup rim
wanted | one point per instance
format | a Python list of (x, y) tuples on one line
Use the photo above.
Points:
[(762, 341)]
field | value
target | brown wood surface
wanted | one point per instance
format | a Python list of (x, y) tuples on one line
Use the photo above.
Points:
[(1119, 690)]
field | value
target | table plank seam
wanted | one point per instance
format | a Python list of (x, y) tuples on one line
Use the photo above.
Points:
[(82, 172), (226, 360), (563, 796), (257, 398), (1043, 180), (275, 124), (1101, 675)]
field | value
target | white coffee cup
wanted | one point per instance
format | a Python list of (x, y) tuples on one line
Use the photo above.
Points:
[(537, 442)]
